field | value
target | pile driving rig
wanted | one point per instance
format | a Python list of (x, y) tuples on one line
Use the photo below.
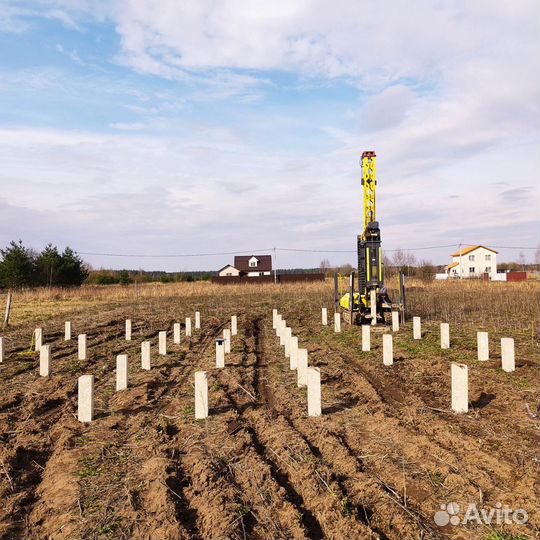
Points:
[(370, 303)]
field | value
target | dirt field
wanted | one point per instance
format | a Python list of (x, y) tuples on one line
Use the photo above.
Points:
[(384, 457)]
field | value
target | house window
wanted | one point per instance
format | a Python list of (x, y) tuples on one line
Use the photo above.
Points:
[(253, 263), (471, 270), (488, 257), (228, 274), (488, 269), (471, 257)]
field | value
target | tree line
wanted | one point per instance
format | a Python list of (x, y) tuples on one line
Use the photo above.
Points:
[(21, 266), (125, 277), (401, 261)]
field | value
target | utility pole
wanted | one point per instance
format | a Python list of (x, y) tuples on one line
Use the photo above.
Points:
[(275, 267)]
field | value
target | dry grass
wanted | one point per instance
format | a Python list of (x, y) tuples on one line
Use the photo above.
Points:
[(479, 304), (511, 306)]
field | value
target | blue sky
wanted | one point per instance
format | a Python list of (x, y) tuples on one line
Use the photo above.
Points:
[(229, 126)]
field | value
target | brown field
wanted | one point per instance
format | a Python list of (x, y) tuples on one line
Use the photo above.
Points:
[(379, 463)]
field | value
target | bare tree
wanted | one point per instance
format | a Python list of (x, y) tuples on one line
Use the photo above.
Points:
[(426, 270), (388, 267), (404, 261), (325, 264)]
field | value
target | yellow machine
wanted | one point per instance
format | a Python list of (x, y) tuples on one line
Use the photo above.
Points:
[(370, 302)]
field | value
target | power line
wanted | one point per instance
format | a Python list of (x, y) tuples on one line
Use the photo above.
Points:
[(504, 247), (178, 255), (299, 250)]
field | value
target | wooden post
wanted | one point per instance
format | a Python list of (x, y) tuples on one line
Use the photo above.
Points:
[(188, 326), (402, 297), (8, 309), (67, 331), (128, 329), (197, 320), (324, 316), (234, 325), (336, 292)]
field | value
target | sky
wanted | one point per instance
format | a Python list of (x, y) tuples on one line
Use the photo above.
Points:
[(159, 129)]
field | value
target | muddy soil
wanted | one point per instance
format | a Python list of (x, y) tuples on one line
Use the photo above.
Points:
[(379, 463)]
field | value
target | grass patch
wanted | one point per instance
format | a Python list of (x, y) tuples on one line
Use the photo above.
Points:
[(89, 468), (504, 535)]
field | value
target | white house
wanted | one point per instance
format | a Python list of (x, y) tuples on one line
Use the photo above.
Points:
[(229, 270), (474, 261)]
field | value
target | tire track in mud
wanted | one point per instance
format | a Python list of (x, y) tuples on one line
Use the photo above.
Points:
[(193, 484), (323, 504), (179, 482), (348, 473), (206, 502)]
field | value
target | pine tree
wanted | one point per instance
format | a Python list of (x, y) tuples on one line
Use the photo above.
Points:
[(73, 270), (17, 266)]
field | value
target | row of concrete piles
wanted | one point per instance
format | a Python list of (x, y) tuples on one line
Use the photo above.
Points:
[(298, 359), (86, 382), (458, 372), (306, 376), (223, 347)]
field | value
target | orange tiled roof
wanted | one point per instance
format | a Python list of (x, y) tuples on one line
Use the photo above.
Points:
[(466, 250), (451, 265)]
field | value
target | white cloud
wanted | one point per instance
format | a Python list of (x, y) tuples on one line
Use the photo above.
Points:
[(64, 18), (73, 54), (447, 96), (128, 126), (130, 193)]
